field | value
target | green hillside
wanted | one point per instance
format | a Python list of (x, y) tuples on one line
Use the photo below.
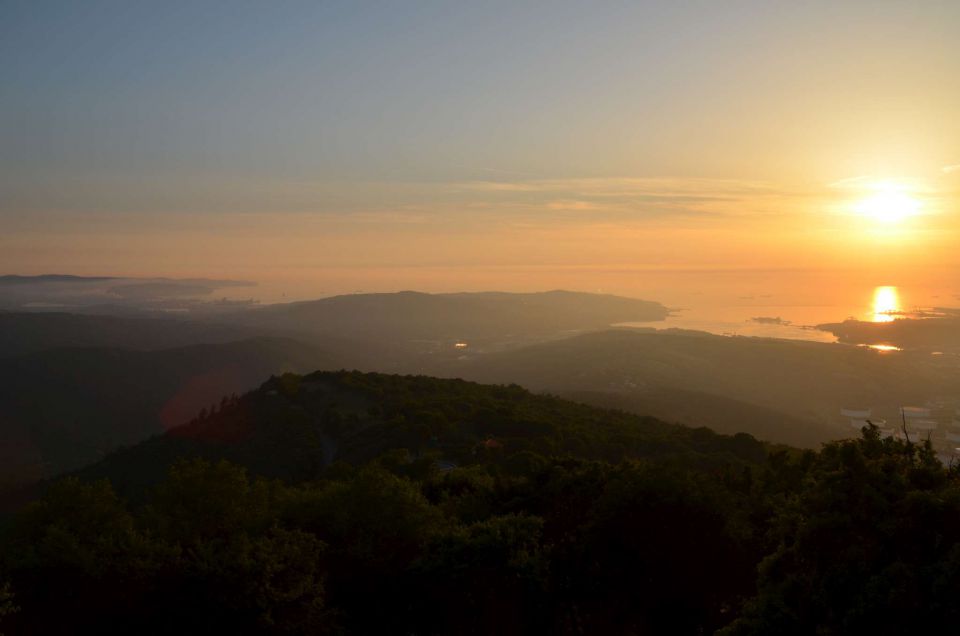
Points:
[(695, 377), (350, 503), (294, 427), (30, 332), (422, 322)]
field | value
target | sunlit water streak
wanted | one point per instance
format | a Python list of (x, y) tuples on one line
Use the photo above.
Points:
[(883, 348), (882, 304), (886, 304)]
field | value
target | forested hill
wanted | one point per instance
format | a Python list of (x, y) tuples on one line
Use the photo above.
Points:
[(294, 427), (419, 320), (411, 505), (703, 378), (31, 332)]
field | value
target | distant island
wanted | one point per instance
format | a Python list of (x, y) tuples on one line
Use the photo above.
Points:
[(767, 320)]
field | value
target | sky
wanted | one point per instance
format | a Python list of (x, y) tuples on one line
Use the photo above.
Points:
[(629, 147)]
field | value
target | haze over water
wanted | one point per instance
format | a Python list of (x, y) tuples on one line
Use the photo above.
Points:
[(745, 303), (781, 315)]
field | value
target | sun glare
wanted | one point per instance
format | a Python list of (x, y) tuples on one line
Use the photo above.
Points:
[(888, 203), (886, 303)]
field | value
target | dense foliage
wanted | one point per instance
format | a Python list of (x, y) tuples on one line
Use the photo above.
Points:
[(294, 427), (449, 507)]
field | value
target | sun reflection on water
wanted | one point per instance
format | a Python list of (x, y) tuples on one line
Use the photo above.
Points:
[(883, 348), (886, 304)]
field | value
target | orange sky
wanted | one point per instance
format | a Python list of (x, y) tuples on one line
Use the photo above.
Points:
[(624, 148)]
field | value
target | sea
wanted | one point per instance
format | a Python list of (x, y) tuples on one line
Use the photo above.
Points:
[(767, 316)]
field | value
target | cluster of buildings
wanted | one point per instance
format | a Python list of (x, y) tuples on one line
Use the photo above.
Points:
[(940, 423)]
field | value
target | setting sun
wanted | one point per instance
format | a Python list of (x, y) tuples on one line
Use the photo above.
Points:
[(888, 203)]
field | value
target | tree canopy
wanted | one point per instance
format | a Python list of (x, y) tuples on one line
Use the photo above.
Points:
[(579, 521)]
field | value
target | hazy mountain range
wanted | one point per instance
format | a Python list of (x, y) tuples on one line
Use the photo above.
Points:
[(73, 387), (111, 294)]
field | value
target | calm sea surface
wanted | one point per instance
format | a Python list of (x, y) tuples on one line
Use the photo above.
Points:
[(752, 316), (769, 304)]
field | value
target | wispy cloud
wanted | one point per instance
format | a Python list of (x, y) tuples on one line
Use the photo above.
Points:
[(850, 183), (579, 206), (950, 169), (481, 203), (867, 183), (634, 198), (614, 187)]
